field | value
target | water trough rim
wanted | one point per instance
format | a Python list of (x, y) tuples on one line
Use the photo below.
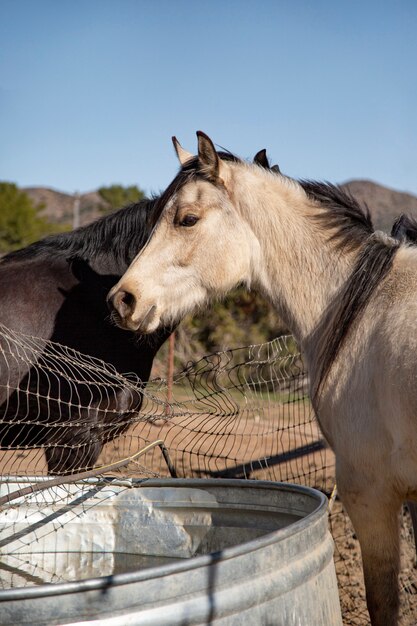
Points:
[(104, 582)]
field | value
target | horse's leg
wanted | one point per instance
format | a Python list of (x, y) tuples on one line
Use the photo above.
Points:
[(412, 507), (374, 512), (66, 460)]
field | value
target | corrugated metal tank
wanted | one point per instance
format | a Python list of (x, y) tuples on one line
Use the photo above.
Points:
[(237, 553)]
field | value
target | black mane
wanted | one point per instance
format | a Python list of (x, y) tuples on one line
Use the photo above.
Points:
[(351, 222), (120, 234), (353, 230)]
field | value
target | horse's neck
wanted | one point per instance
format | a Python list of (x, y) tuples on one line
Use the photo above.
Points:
[(102, 259), (106, 262), (296, 267), (102, 251)]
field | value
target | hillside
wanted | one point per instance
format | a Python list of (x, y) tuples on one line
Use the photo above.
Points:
[(385, 204), (59, 206)]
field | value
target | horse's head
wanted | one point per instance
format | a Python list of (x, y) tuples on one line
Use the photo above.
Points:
[(261, 159), (200, 247)]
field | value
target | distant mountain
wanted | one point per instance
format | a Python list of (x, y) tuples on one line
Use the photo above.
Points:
[(59, 206), (384, 204)]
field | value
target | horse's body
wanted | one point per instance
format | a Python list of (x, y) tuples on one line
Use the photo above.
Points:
[(56, 289), (348, 295)]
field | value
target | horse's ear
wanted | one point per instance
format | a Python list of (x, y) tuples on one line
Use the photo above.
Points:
[(405, 229), (261, 159), (275, 168), (207, 155), (183, 155)]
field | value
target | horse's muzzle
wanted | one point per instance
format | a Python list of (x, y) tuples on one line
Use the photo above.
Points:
[(122, 305)]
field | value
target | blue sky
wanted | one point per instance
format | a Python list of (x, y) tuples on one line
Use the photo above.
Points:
[(91, 91)]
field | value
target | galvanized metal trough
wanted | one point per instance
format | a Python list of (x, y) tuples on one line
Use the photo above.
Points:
[(215, 552)]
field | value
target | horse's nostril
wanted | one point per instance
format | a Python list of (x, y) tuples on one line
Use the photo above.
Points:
[(128, 299), (123, 302)]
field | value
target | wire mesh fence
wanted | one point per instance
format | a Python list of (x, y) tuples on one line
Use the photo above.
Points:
[(241, 413)]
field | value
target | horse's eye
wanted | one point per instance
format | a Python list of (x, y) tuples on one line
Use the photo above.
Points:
[(189, 220)]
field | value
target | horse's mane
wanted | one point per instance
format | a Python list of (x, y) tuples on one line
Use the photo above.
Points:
[(352, 229), (121, 234), (351, 224)]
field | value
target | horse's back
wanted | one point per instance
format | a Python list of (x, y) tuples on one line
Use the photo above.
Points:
[(31, 292)]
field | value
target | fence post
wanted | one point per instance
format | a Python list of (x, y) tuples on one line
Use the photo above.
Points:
[(76, 211), (170, 372)]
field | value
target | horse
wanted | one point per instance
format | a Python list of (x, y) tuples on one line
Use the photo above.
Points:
[(405, 229), (345, 291), (55, 289)]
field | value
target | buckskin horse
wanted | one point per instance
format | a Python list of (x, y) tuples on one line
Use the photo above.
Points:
[(346, 292)]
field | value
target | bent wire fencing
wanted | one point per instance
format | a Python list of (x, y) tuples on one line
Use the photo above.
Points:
[(241, 413)]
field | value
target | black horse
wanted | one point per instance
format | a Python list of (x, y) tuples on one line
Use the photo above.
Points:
[(56, 289)]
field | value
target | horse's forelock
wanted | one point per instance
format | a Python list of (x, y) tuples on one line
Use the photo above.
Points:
[(190, 171), (187, 173)]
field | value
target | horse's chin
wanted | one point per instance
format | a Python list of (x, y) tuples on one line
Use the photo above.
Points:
[(145, 325), (126, 324)]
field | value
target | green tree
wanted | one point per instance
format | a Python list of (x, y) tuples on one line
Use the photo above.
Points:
[(117, 196), (243, 318), (20, 223)]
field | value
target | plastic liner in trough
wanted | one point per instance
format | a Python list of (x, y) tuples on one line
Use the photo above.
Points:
[(218, 552)]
